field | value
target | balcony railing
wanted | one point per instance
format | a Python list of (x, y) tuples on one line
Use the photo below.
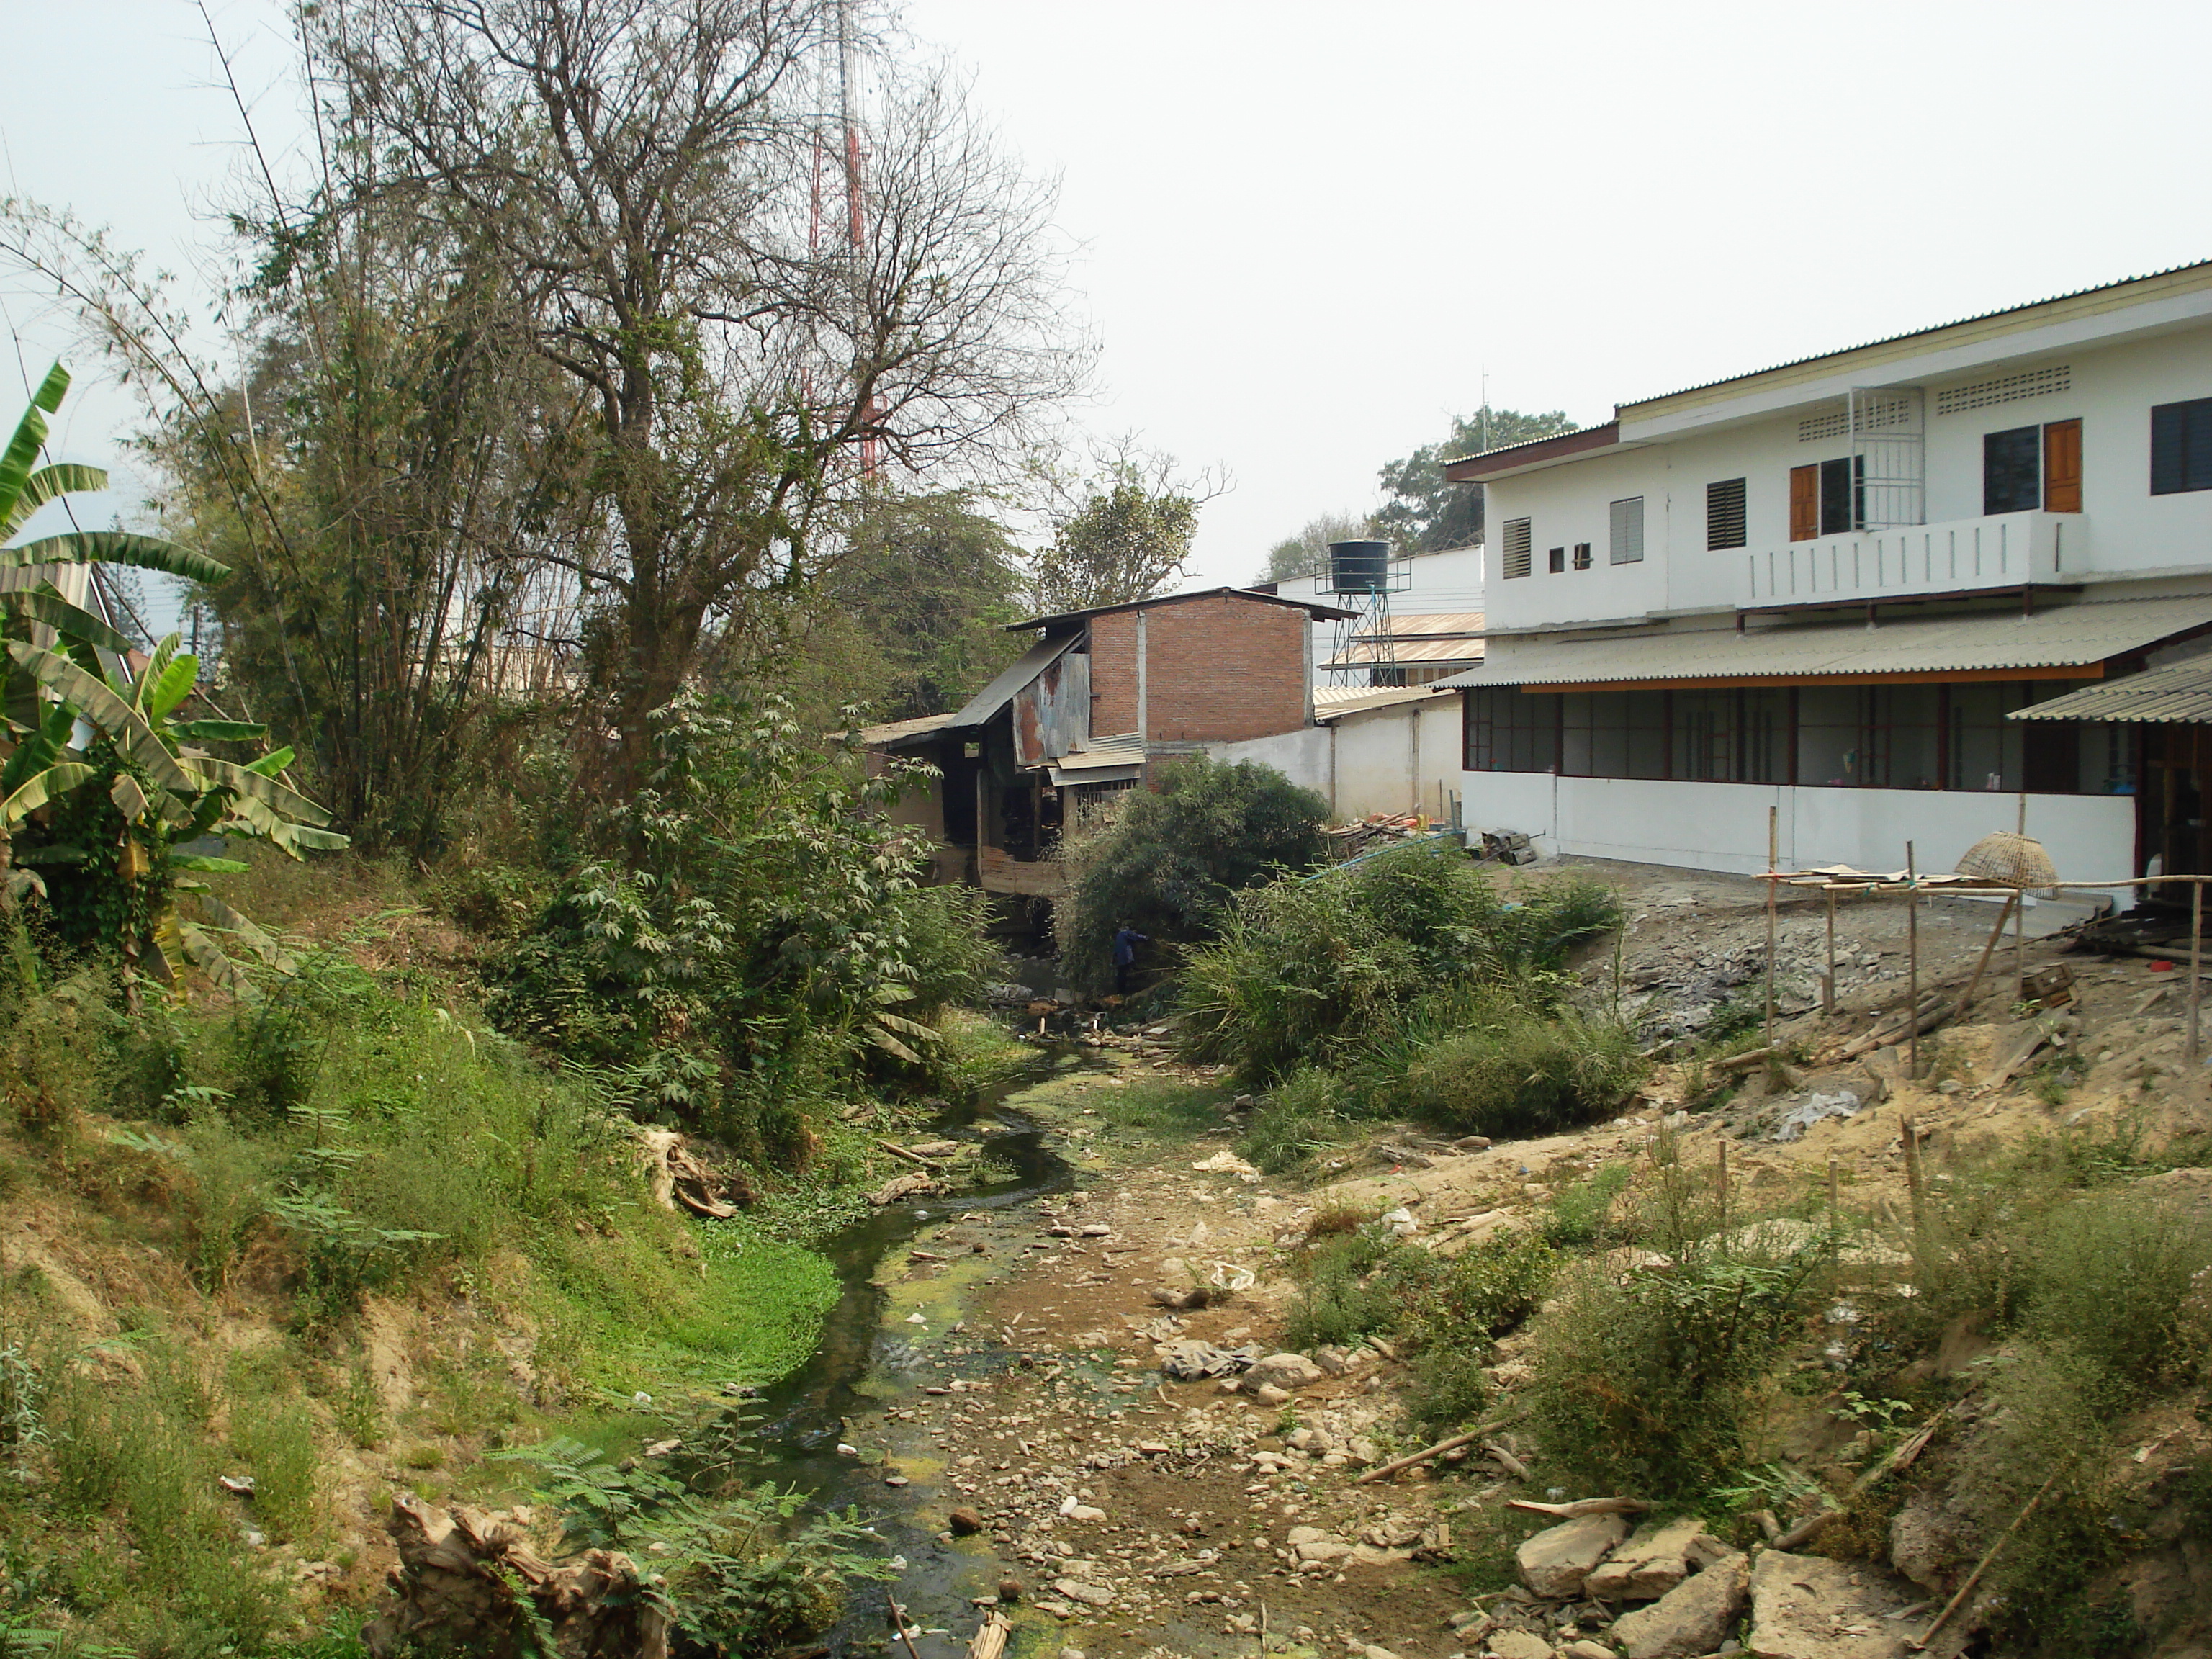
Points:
[(2004, 550)]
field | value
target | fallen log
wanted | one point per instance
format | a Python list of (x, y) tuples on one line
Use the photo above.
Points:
[(1744, 1062), (911, 1157), (905, 1186), (1505, 1459), (1580, 1507), (1438, 1450)]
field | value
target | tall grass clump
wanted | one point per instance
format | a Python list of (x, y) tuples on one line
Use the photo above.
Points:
[(1648, 1376), (1169, 859), (1414, 958)]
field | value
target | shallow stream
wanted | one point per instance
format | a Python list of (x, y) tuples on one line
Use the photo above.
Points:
[(864, 1363)]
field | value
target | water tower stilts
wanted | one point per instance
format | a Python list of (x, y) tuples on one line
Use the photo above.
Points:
[(1361, 577)]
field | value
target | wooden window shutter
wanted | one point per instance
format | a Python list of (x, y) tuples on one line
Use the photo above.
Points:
[(1804, 502), (2061, 466)]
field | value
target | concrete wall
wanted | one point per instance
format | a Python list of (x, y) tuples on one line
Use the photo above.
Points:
[(1402, 758), (1305, 755), (1723, 826)]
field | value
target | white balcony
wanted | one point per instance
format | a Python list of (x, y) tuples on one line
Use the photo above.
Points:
[(2004, 550)]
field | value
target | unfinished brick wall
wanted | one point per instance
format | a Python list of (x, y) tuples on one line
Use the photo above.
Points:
[(1217, 669), (1114, 674)]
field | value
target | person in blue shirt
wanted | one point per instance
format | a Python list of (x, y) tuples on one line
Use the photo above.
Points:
[(1124, 958)]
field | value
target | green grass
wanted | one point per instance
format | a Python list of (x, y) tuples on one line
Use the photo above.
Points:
[(1162, 1107)]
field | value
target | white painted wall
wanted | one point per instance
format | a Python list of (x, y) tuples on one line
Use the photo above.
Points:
[(1402, 758), (1305, 757), (1723, 826), (2125, 530)]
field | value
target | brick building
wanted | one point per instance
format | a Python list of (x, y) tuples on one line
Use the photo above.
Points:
[(1102, 696)]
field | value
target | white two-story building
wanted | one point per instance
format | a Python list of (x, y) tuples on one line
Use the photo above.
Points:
[(1831, 587)]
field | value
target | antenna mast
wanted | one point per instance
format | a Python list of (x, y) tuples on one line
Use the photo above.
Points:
[(855, 222)]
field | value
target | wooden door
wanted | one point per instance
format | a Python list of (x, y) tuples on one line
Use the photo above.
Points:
[(1804, 502), (2061, 466)]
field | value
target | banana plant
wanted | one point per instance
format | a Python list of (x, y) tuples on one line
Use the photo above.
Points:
[(84, 707)]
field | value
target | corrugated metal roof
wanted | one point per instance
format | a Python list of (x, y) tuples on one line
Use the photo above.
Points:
[(2180, 693), (1430, 625), (1333, 702), (1012, 679), (2061, 636), (1466, 648), (1102, 760), (1907, 334), (896, 730)]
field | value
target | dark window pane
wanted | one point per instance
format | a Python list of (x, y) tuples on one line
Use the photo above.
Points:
[(1556, 560), (1508, 731), (2011, 469), (2181, 447), (1843, 494)]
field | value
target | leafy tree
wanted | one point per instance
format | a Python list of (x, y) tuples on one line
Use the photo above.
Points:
[(911, 620), (1306, 554), (1125, 542), (644, 180), (1424, 514), (1169, 862)]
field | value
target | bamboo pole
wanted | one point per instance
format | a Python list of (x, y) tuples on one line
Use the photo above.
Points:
[(2019, 924), (2196, 963), (1724, 1187), (1912, 1130), (1828, 984), (1773, 862), (1975, 983), (1912, 952)]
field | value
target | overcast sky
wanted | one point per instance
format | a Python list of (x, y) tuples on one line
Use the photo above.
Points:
[(1305, 230)]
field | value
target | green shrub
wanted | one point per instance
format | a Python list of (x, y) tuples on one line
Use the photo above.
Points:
[(1513, 1070), (1361, 964), (1582, 1211), (1172, 857), (1448, 1309), (1301, 1117), (1645, 1381), (770, 932)]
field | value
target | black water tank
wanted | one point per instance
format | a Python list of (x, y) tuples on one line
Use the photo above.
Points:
[(1358, 567)]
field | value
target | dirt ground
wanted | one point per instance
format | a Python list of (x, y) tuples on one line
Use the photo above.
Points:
[(1131, 1514)]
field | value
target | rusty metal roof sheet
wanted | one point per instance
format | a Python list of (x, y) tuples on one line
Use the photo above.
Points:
[(1467, 647), (2182, 692), (1012, 679), (2060, 637)]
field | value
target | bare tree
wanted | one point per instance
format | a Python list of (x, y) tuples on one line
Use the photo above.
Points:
[(649, 175)]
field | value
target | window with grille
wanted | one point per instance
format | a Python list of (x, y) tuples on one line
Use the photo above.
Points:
[(1516, 559), (1724, 518), (2181, 447), (1508, 730), (1582, 556), (1628, 531)]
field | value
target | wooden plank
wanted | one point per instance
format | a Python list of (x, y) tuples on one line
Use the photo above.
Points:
[(1000, 872)]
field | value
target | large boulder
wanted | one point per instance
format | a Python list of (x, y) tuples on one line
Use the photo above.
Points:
[(1653, 1561), (1692, 1619), (1283, 1371), (1806, 1607), (1556, 1561), (1928, 1543)]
